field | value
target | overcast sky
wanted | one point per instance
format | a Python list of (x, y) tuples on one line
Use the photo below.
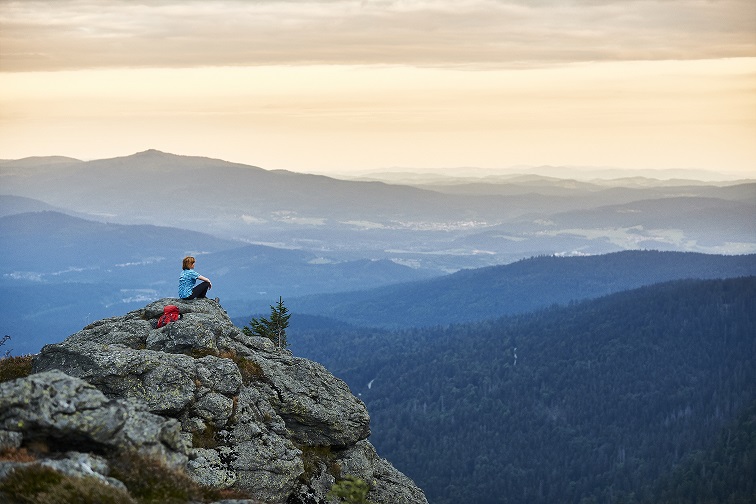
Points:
[(340, 85)]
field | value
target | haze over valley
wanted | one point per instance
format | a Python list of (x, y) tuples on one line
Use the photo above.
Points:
[(117, 229), (381, 275)]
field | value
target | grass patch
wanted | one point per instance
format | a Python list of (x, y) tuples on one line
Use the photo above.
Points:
[(250, 370), (17, 455), (207, 438), (314, 456), (15, 367), (147, 480), (37, 484), (198, 353), (151, 482)]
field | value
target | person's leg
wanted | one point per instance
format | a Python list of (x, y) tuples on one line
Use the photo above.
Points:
[(199, 291)]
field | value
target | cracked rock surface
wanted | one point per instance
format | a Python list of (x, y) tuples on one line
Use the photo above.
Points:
[(199, 394)]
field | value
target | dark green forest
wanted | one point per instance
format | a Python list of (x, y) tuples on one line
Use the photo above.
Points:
[(725, 473), (620, 399)]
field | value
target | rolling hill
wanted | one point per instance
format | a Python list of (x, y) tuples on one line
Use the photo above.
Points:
[(435, 229), (527, 285)]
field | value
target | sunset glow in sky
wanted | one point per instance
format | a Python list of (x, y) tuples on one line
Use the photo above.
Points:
[(341, 85)]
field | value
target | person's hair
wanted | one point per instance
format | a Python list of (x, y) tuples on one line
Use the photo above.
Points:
[(188, 262)]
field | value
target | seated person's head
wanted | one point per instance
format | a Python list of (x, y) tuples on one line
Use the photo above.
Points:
[(188, 262)]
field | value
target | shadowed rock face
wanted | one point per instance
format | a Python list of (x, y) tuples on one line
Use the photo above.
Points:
[(200, 394)]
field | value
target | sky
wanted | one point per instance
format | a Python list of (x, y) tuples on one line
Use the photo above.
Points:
[(346, 86)]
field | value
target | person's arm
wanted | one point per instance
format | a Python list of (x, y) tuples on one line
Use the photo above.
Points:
[(205, 279)]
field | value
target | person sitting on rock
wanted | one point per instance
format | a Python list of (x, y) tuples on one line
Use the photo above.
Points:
[(187, 289)]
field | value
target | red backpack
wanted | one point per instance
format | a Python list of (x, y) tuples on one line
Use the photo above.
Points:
[(170, 314)]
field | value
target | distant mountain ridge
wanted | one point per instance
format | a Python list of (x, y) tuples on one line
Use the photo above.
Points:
[(35, 161), (13, 205), (443, 228), (586, 175), (523, 286), (261, 233)]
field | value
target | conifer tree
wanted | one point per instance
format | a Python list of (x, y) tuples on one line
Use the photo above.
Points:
[(273, 328)]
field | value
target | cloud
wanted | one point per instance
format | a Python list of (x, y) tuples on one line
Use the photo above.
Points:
[(73, 34)]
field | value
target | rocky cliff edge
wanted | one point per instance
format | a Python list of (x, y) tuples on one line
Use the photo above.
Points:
[(199, 396)]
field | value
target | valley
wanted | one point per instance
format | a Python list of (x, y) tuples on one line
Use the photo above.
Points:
[(524, 339)]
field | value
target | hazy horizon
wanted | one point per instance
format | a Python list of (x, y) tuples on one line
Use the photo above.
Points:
[(402, 174), (342, 87)]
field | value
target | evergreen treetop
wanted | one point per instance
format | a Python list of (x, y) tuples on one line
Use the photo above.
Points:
[(273, 328)]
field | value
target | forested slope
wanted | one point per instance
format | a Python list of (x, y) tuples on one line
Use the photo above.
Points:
[(725, 473), (585, 403), (530, 284)]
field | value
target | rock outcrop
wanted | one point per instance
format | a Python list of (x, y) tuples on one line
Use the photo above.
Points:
[(199, 395)]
